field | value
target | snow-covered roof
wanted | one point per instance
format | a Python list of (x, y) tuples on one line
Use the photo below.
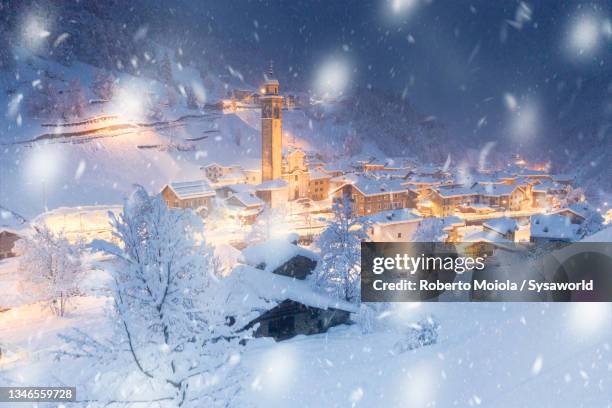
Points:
[(503, 225), (246, 199), (395, 216), (485, 236), (416, 179), (278, 288), (234, 175), (274, 253), (277, 184), (530, 172), (554, 226), (238, 188), (579, 209), (455, 191), (317, 175), (563, 177), (452, 221), (548, 186), (369, 186), (495, 190), (192, 189)]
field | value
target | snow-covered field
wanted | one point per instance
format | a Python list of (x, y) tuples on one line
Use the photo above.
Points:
[(494, 355)]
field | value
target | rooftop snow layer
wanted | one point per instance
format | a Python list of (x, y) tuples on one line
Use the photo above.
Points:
[(272, 185), (247, 199), (554, 227), (192, 189), (278, 288), (395, 216), (274, 253), (503, 225)]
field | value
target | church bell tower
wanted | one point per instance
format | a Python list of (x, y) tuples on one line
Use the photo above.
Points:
[(271, 129)]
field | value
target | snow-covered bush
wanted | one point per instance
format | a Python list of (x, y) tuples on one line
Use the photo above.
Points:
[(339, 270), (423, 333), (50, 267), (171, 324)]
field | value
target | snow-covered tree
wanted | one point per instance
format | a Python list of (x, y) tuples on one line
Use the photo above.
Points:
[(164, 69), (339, 270), (104, 84), (593, 221), (42, 101), (171, 324), (270, 223), (51, 268), (430, 230), (72, 101)]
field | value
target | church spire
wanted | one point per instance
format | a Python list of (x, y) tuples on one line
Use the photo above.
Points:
[(271, 70)]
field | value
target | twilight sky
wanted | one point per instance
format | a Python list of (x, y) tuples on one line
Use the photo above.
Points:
[(489, 68)]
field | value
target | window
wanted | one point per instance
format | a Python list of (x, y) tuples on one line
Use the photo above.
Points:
[(399, 234)]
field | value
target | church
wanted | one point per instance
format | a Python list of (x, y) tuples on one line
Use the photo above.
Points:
[(283, 179)]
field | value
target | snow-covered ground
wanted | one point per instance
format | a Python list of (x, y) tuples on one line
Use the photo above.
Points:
[(489, 354)]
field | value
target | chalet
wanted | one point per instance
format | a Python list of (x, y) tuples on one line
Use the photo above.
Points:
[(577, 213), (509, 197), (273, 281), (547, 194), (244, 206), (197, 195), (394, 225), (369, 196), (553, 228), (7, 242), (11, 226), (446, 199), (214, 170)]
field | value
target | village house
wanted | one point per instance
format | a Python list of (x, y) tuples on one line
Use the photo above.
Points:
[(318, 185), (273, 281), (508, 197), (244, 206), (445, 200), (394, 225), (547, 194), (232, 174), (8, 238), (369, 196), (553, 228), (197, 195), (273, 192)]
